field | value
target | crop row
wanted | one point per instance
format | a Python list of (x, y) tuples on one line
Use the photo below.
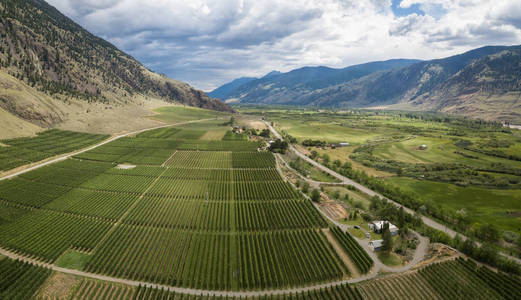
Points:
[(277, 215), (119, 183), (20, 280), (195, 215), (286, 259), (29, 193), (244, 146), (218, 216), (198, 159), (361, 259), (222, 191), (462, 283), (163, 133), (456, 279), (22, 151), (142, 156), (93, 203), (217, 261), (221, 160), (90, 289), (46, 235), (224, 175)]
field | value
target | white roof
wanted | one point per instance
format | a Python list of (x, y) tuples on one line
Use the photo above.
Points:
[(380, 224), (376, 243)]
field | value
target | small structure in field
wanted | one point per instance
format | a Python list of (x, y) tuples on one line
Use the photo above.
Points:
[(423, 147), (343, 144), (376, 245), (125, 166), (378, 226)]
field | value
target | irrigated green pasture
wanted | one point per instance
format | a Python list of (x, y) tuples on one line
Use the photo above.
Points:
[(482, 205), (468, 167)]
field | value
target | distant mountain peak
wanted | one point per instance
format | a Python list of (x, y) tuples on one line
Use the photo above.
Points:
[(272, 73)]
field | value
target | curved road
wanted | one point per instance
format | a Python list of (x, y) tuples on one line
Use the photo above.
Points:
[(426, 220)]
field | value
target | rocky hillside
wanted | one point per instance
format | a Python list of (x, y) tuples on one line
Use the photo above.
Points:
[(284, 88), (484, 83), (49, 52)]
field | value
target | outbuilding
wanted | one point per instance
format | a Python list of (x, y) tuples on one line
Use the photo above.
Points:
[(376, 245), (423, 147), (343, 144)]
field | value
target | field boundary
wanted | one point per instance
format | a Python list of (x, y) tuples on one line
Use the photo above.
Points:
[(106, 141)]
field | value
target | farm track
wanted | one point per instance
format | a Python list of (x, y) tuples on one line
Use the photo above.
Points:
[(419, 254), (189, 291), (67, 155), (347, 181)]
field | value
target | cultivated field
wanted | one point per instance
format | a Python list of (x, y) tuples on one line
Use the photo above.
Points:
[(172, 206), (21, 151)]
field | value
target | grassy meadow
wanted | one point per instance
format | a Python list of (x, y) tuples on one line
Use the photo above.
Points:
[(469, 167)]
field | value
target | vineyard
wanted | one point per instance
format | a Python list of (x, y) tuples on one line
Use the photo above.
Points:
[(89, 289), (20, 280), (22, 151), (456, 279), (221, 218)]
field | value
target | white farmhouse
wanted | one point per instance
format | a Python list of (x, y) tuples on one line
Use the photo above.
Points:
[(378, 226)]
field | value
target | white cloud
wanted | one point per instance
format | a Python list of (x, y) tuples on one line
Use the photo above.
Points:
[(208, 42)]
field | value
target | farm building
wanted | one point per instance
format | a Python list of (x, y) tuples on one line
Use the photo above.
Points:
[(378, 226), (423, 147), (376, 245), (335, 145)]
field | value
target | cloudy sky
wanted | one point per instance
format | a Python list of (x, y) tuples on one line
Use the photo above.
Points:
[(209, 42)]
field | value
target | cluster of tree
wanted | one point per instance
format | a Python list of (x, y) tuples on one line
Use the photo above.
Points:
[(279, 146), (265, 133), (456, 173), (458, 220), (487, 253), (313, 143)]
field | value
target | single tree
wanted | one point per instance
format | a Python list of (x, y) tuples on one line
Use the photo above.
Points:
[(387, 245), (315, 195)]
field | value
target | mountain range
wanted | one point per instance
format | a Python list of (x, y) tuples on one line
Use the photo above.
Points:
[(484, 82), (52, 69)]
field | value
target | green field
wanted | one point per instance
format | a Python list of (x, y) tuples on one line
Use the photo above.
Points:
[(482, 205), (173, 207), (469, 167), (21, 151)]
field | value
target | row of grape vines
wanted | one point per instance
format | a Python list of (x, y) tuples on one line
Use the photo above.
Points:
[(221, 160), (90, 289), (46, 235), (216, 216), (52, 142), (361, 259), (211, 261), (20, 280), (455, 279)]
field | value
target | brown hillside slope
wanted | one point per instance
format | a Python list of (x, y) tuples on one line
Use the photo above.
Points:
[(50, 53)]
